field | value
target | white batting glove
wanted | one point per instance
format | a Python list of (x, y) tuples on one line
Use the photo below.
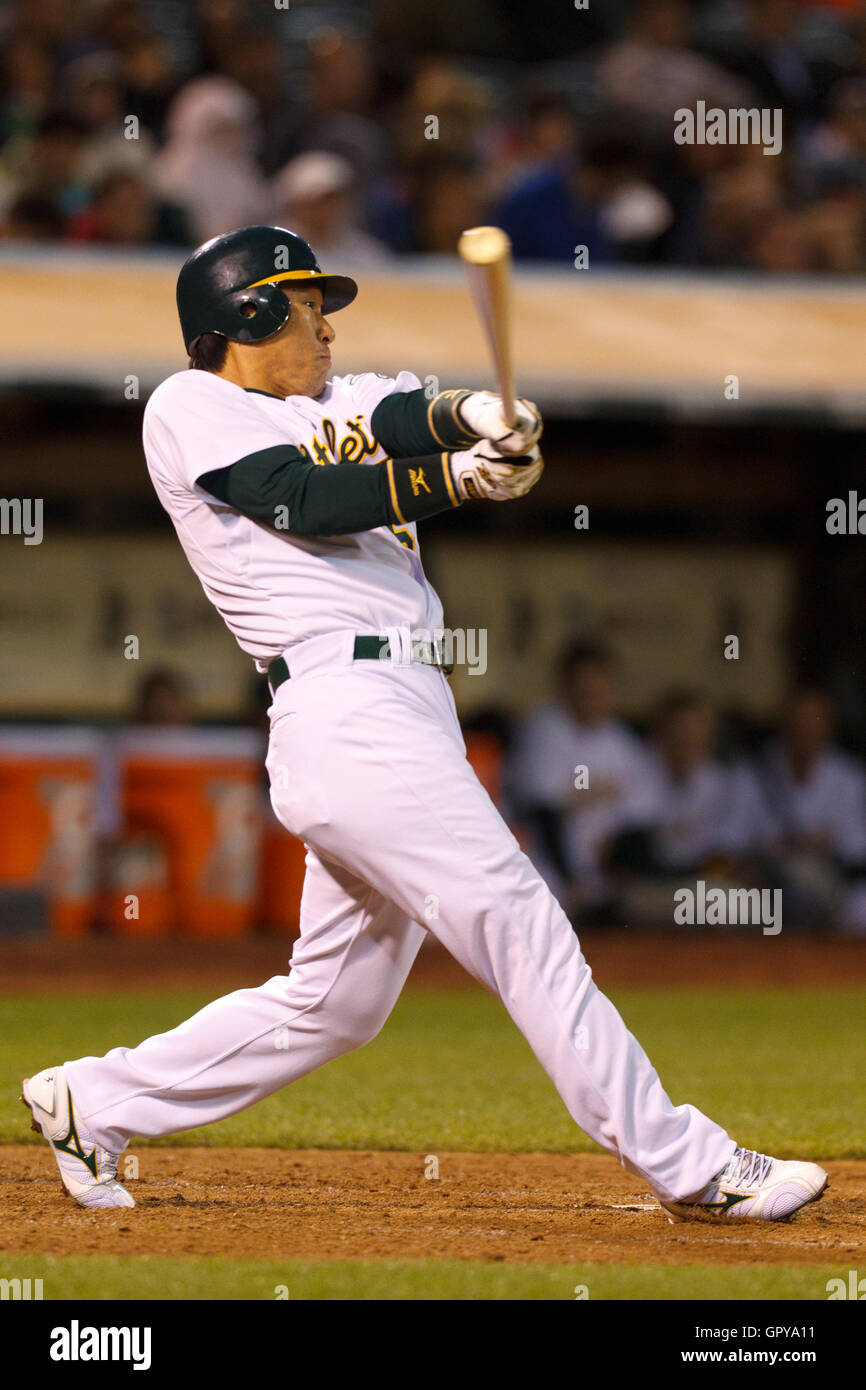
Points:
[(482, 412), (483, 472)]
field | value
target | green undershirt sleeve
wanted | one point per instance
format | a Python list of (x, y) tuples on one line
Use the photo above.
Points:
[(282, 488), (408, 423)]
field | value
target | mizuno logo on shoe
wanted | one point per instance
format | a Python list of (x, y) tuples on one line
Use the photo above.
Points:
[(71, 1144), (732, 1199)]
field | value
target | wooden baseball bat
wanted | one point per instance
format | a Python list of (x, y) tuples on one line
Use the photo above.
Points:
[(487, 254)]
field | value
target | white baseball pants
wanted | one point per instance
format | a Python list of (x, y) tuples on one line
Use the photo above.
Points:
[(368, 767)]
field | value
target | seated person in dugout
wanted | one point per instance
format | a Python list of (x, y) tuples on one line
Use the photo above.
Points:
[(579, 776)]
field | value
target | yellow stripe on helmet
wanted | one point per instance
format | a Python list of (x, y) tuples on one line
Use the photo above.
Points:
[(289, 275)]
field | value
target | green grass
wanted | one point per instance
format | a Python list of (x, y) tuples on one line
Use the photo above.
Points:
[(783, 1071), (152, 1277)]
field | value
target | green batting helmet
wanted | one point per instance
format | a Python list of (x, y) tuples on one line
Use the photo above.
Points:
[(230, 284)]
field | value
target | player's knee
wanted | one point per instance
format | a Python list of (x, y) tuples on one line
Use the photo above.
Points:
[(348, 1039), (357, 1026), (367, 1024)]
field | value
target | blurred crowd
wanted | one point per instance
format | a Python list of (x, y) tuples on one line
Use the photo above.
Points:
[(617, 822), (377, 130)]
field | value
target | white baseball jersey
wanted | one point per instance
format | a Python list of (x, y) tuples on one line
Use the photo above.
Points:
[(271, 587)]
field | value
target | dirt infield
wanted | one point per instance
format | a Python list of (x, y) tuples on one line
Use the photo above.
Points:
[(338, 1204), (324, 1204), (714, 956)]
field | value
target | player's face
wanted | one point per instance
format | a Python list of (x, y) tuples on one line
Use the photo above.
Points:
[(297, 360)]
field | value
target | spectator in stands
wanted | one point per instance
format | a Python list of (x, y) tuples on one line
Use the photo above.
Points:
[(577, 778), (95, 96), (826, 236), (335, 112), (123, 212), (835, 223), (446, 199), (816, 797), (839, 142), (461, 104), (748, 220), (777, 244), (652, 72), (342, 73), (550, 131), (143, 58), (27, 87), (440, 179), (256, 63), (769, 58), (149, 81), (31, 217), (736, 197), (119, 24), (599, 201), (52, 168), (542, 131), (220, 25), (208, 167), (315, 195), (60, 27)]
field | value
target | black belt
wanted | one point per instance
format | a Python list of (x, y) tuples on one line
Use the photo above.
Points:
[(371, 649)]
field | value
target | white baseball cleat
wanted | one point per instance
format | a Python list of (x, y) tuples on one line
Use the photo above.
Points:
[(88, 1172), (753, 1187)]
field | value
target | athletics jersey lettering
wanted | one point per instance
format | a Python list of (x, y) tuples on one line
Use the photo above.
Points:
[(354, 446)]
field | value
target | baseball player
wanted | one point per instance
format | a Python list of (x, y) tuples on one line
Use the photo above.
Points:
[(296, 497)]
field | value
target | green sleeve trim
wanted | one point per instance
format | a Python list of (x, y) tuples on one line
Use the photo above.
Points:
[(282, 488), (285, 490), (409, 425)]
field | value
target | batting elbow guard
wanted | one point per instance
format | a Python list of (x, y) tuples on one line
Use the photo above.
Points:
[(447, 425)]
